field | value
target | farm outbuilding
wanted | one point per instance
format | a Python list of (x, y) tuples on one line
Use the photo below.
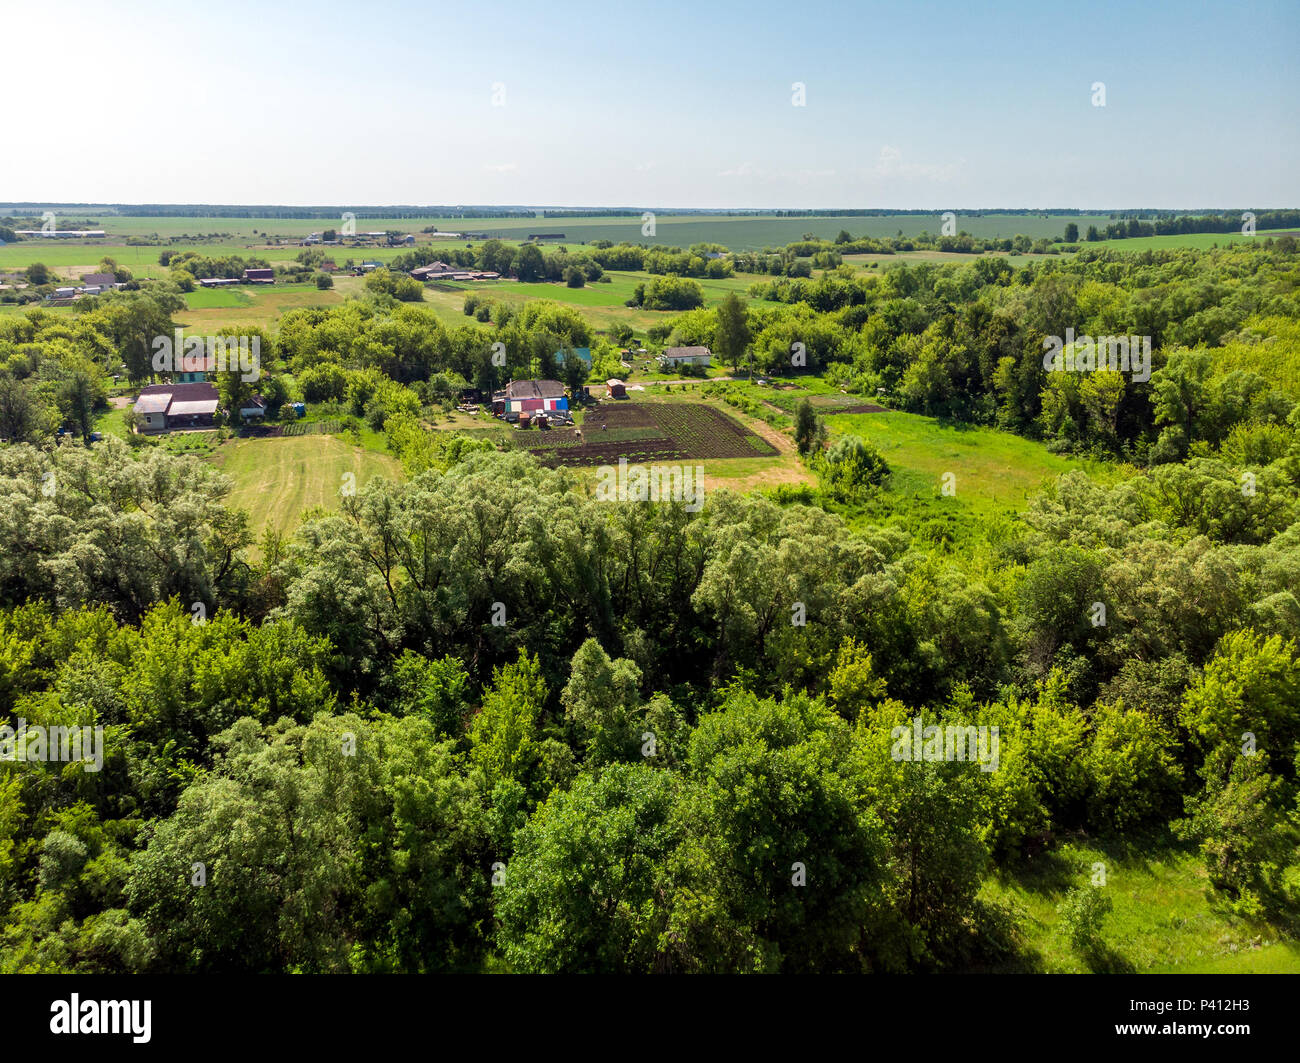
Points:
[(259, 276), (685, 356), (61, 234), (617, 389), (254, 408)]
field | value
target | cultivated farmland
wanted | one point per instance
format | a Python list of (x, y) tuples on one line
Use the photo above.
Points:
[(648, 432)]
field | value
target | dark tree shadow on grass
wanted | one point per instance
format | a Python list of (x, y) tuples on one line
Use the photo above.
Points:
[(1102, 959)]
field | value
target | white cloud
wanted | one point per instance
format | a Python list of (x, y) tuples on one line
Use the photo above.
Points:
[(891, 164)]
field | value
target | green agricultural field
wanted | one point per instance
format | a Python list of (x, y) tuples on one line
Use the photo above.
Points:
[(278, 480), (70, 259), (738, 232), (1197, 240), (752, 233)]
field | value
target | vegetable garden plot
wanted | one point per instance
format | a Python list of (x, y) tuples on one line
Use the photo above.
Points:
[(306, 428), (649, 432)]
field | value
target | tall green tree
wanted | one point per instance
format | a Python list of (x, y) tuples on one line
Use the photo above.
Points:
[(732, 336), (23, 417)]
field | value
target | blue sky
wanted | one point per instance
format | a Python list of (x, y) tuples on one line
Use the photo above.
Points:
[(929, 106)]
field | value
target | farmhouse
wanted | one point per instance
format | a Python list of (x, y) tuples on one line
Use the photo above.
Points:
[(432, 271), (685, 356), (259, 276), (161, 407), (102, 282), (527, 396)]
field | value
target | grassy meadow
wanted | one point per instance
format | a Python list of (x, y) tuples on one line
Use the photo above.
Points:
[(1163, 920), (278, 480), (993, 472)]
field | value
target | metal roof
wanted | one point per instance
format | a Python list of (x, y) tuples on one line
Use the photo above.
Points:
[(153, 403), (196, 406)]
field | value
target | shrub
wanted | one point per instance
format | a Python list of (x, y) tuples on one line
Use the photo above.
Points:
[(1082, 913), (850, 468)]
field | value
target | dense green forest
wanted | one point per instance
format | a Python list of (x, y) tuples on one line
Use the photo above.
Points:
[(482, 721)]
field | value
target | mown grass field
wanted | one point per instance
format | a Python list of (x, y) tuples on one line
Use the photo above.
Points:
[(262, 305), (278, 480), (208, 298), (993, 472)]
